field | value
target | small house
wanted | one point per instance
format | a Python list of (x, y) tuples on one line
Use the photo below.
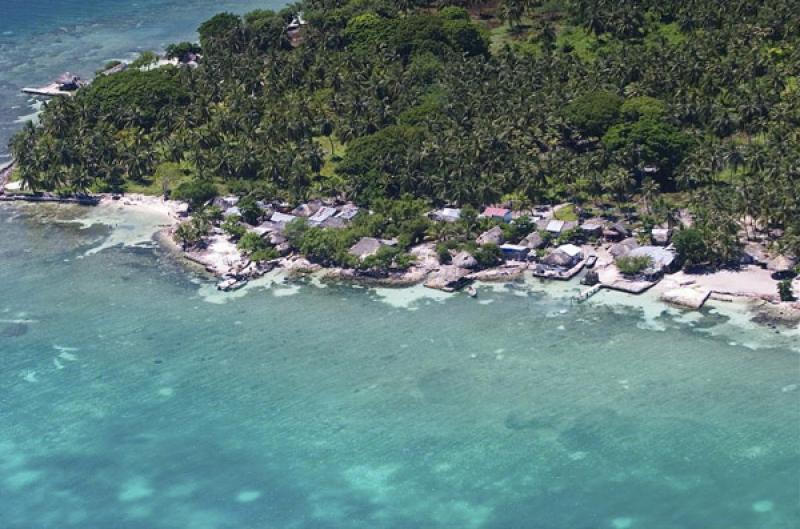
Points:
[(501, 214), (446, 215), (661, 261), (592, 229), (365, 247), (492, 236), (623, 247), (281, 218), (335, 223), (322, 214), (232, 211), (306, 210), (555, 226), (617, 232), (514, 252), (534, 241), (575, 253), (348, 212), (660, 236)]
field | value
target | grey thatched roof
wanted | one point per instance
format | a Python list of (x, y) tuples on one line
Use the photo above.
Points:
[(365, 247), (623, 247), (558, 258), (534, 241), (782, 263), (493, 236)]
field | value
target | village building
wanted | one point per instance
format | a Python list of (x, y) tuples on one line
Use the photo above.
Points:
[(282, 218), (514, 252), (555, 226), (348, 212), (660, 236), (661, 261), (446, 215), (501, 214), (592, 228), (365, 247), (492, 236), (322, 214), (534, 241), (232, 211)]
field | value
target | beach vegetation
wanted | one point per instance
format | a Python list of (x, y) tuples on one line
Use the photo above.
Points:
[(785, 292), (630, 265)]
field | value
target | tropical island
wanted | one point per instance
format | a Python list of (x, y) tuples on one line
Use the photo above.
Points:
[(445, 142)]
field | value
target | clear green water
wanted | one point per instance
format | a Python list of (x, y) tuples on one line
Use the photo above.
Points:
[(128, 400)]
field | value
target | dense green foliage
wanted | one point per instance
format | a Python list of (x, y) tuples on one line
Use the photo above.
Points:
[(585, 100), (632, 265)]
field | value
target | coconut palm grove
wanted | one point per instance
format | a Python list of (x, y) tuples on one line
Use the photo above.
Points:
[(648, 106)]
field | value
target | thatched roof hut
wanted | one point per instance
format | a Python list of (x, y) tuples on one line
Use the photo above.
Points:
[(782, 264), (493, 236), (534, 241), (623, 247), (365, 247), (558, 258)]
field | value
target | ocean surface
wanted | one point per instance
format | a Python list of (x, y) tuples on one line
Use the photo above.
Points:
[(134, 396), (40, 39)]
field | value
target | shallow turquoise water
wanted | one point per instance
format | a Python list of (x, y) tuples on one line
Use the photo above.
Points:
[(128, 400), (40, 39)]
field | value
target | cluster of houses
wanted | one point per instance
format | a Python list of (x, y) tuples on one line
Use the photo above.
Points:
[(566, 260), (277, 216)]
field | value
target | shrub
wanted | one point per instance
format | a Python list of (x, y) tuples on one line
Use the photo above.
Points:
[(443, 253), (691, 247), (632, 265), (785, 290), (251, 243), (487, 256), (195, 192), (233, 228)]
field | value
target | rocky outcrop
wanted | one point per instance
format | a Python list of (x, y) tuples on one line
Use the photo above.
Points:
[(464, 260), (686, 297), (448, 278)]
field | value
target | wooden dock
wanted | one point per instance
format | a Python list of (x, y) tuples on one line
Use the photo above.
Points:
[(50, 90)]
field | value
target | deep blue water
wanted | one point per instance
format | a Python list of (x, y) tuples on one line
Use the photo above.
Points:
[(39, 39), (131, 399)]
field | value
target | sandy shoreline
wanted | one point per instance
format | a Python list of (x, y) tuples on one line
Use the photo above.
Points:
[(138, 219)]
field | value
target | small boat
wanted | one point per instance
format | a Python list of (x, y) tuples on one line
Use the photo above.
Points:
[(591, 261), (472, 292)]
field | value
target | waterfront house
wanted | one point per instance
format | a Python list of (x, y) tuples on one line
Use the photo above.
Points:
[(514, 252), (575, 253), (365, 247), (501, 214), (623, 247), (661, 261)]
